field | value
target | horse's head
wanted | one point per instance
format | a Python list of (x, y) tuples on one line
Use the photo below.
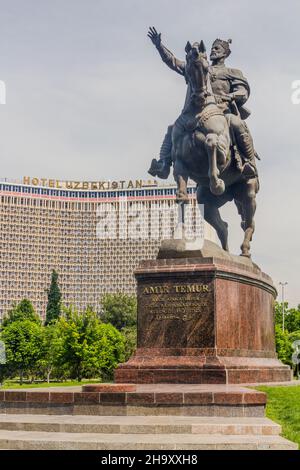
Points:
[(197, 70)]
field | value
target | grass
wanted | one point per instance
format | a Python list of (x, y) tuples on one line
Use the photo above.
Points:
[(70, 383), (283, 406)]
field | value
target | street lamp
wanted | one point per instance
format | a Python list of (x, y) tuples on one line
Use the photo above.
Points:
[(283, 284)]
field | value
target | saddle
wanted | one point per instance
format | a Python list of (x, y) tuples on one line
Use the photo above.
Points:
[(189, 123)]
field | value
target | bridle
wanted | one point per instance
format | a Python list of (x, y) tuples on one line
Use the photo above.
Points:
[(205, 91)]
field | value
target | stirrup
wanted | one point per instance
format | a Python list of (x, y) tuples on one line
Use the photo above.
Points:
[(159, 168), (153, 168)]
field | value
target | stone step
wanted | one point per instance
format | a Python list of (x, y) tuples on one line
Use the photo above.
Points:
[(147, 399), (139, 424), (30, 440)]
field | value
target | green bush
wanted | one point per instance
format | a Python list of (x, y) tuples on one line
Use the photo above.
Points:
[(283, 346), (291, 333), (119, 309), (74, 346), (50, 363), (23, 311), (23, 340), (90, 348), (130, 335)]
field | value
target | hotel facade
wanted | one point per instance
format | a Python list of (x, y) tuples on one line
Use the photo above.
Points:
[(92, 233)]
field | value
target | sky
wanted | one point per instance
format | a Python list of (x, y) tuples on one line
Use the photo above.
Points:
[(88, 97)]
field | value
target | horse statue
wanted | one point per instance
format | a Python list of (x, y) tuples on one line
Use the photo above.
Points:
[(203, 149)]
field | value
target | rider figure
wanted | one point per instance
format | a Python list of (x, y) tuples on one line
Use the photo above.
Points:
[(231, 91)]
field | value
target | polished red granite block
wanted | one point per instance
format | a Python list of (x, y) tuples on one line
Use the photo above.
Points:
[(228, 398), (198, 398), (235, 376), (248, 376), (169, 398), (123, 377), (61, 397), (126, 375), (145, 376), (14, 396), (38, 397), (160, 312), (169, 376), (188, 376), (86, 397), (256, 398), (140, 398), (112, 398), (214, 376), (111, 388), (153, 395), (245, 320), (204, 320)]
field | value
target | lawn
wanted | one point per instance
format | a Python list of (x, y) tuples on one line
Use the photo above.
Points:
[(283, 406), (70, 383)]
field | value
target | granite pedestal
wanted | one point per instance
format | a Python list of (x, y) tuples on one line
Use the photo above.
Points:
[(203, 318)]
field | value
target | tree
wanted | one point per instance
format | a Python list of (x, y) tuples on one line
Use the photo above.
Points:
[(4, 372), (54, 300), (23, 311), (291, 333), (90, 348), (295, 336), (22, 339), (52, 349), (119, 309), (283, 345), (130, 335), (291, 317), (292, 320)]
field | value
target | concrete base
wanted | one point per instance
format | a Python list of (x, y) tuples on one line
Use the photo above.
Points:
[(42, 432), (160, 399), (153, 417)]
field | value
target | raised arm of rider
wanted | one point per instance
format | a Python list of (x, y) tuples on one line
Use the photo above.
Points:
[(171, 61)]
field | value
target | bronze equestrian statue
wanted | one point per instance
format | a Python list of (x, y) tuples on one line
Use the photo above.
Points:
[(210, 141)]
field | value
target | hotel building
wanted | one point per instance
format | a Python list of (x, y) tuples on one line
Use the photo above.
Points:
[(92, 233)]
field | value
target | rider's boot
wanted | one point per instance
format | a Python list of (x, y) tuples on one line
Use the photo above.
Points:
[(248, 154), (161, 167)]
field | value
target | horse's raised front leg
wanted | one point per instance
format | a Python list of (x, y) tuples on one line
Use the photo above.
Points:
[(249, 206), (217, 185), (181, 178)]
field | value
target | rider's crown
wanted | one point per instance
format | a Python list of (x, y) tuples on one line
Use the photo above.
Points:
[(224, 44)]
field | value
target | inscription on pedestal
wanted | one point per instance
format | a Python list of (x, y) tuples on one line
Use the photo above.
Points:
[(204, 322), (176, 314)]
